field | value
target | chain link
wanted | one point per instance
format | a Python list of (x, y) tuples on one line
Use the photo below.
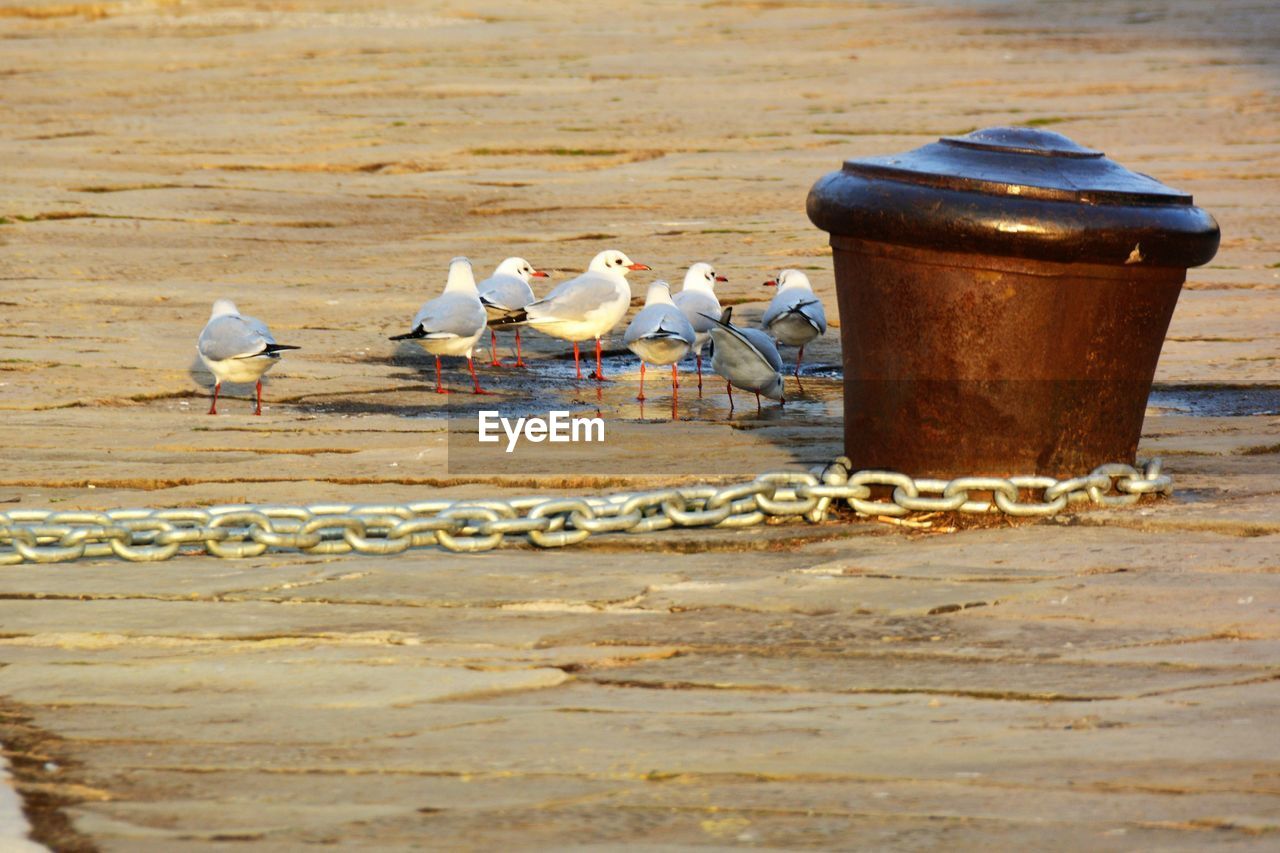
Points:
[(148, 535)]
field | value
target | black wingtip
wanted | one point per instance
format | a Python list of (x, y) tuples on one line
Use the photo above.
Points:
[(514, 319), (723, 319), (409, 336), (278, 347)]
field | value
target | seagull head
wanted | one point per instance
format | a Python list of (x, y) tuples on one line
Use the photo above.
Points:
[(702, 275), (460, 276), (790, 278), (774, 390), (611, 260), (520, 268), (223, 307), (659, 293)]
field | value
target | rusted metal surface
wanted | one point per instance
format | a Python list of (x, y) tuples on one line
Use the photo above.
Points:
[(1003, 301), (1010, 366)]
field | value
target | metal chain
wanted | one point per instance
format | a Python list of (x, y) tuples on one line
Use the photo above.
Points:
[(149, 535)]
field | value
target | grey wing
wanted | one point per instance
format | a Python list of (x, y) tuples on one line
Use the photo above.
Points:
[(764, 344), (805, 304), (507, 292), (813, 311), (575, 299), (659, 320), (452, 314), (642, 324), (694, 304), (779, 305), (259, 327), (678, 324), (233, 337)]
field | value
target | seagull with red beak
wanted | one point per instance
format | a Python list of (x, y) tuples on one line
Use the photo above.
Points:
[(697, 299), (795, 316), (585, 307), (504, 295)]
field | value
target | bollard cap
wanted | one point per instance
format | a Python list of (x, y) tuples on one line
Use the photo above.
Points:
[(1015, 192)]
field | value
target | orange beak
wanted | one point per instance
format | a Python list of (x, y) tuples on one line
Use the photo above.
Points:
[(771, 283), (539, 274), (639, 267), (721, 278)]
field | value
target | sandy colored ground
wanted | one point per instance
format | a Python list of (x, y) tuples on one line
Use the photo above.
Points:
[(1104, 681)]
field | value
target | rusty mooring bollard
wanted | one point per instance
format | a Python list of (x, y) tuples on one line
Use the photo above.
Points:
[(1003, 299)]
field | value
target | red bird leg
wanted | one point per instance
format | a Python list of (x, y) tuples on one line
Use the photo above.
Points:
[(258, 409), (757, 401), (519, 358), (475, 383), (493, 349), (213, 407), (799, 356), (641, 396), (699, 357), (599, 377), (675, 378), (577, 363), (440, 389), (728, 386)]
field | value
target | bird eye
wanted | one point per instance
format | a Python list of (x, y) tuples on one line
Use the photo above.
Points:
[(618, 261)]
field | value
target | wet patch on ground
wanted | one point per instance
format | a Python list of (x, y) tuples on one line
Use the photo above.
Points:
[(1217, 400)]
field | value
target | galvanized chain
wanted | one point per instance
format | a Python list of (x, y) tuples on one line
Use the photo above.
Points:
[(148, 535)]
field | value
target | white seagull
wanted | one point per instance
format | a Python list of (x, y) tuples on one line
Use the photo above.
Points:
[(746, 358), (795, 316), (585, 307), (660, 334), (237, 349), (451, 323), (697, 299), (505, 294)]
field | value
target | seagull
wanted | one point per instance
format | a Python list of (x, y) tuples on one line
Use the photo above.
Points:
[(451, 323), (795, 316), (506, 293), (660, 334), (697, 299), (237, 349), (584, 307), (746, 358)]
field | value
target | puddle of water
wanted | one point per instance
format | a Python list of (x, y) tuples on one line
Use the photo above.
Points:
[(551, 383), (1215, 401)]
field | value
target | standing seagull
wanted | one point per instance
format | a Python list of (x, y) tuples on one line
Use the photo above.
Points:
[(505, 294), (746, 358), (237, 349), (795, 315), (697, 299), (451, 323), (660, 334), (585, 307)]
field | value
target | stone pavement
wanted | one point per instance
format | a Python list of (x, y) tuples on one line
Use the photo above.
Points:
[(1105, 681)]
